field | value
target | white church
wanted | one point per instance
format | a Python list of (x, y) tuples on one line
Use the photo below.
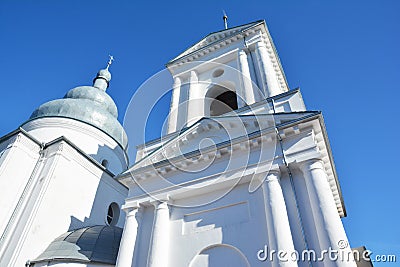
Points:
[(243, 176)]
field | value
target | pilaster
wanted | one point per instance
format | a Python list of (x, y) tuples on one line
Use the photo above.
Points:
[(329, 227), (174, 108), (268, 74), (195, 104), (279, 233), (247, 93), (128, 240), (159, 245)]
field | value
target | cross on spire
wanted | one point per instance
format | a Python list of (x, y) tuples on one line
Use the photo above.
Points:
[(110, 61)]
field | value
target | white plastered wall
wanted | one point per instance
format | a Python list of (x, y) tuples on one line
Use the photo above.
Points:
[(69, 192)]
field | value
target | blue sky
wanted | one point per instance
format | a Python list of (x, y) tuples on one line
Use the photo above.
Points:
[(344, 55)]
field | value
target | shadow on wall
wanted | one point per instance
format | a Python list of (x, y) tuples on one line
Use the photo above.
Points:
[(95, 237), (109, 197), (109, 159)]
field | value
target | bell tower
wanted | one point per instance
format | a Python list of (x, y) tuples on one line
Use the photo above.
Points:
[(226, 70), (244, 168)]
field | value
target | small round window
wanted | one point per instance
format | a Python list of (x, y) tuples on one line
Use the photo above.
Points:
[(218, 73), (112, 214)]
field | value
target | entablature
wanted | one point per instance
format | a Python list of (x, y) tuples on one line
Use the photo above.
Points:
[(302, 134)]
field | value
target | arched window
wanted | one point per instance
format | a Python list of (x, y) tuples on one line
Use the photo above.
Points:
[(221, 98), (223, 103)]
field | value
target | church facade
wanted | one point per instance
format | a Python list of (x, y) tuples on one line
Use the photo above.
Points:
[(244, 175)]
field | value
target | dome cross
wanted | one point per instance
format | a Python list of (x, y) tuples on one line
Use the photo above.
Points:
[(110, 61)]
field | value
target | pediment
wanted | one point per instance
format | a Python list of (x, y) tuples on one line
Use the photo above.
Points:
[(212, 133), (215, 37)]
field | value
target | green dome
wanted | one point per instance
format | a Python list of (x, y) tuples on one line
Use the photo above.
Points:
[(90, 104), (96, 95)]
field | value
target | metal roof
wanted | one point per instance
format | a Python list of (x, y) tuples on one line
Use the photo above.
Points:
[(98, 244), (88, 104)]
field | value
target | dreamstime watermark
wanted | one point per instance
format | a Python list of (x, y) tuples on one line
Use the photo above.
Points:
[(383, 258), (343, 253), (203, 137)]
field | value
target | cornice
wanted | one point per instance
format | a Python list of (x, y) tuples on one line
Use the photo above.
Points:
[(78, 125), (202, 184), (251, 140), (312, 121), (54, 144)]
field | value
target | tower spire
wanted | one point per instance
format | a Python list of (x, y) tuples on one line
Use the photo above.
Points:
[(225, 18)]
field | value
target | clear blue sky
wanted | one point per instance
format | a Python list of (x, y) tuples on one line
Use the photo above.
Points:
[(344, 55)]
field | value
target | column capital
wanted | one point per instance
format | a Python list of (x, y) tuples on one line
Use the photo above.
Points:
[(177, 78), (311, 164), (129, 207), (263, 175), (160, 203), (264, 179), (193, 76), (260, 43), (273, 175), (242, 52), (274, 171), (177, 81), (139, 213)]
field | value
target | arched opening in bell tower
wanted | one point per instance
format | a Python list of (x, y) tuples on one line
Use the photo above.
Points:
[(223, 103), (221, 100)]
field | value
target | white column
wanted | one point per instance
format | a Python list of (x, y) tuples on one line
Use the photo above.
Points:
[(159, 245), (174, 108), (279, 233), (247, 93), (268, 73), (196, 104), (128, 239), (329, 226)]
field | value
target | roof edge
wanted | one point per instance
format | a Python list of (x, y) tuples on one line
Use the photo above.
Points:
[(55, 141), (181, 55)]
